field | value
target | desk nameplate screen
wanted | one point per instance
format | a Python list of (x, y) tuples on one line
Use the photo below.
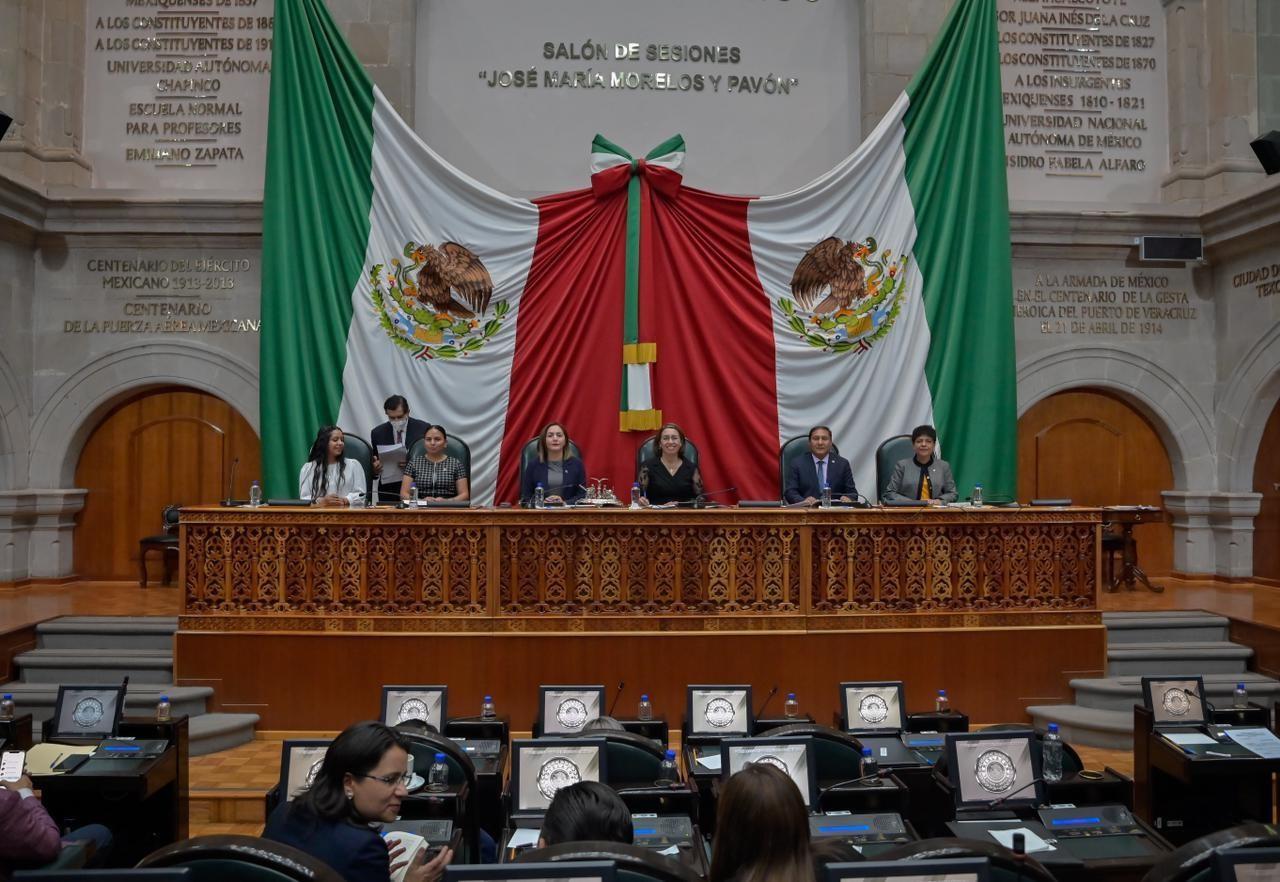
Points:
[(485, 570)]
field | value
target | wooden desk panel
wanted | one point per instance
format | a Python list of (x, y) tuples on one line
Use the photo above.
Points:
[(477, 570)]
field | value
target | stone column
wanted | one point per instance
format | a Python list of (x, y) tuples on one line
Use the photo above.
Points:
[(1193, 541), (896, 35), (1212, 532), (36, 528)]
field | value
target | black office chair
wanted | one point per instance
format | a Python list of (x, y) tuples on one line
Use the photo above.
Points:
[(1193, 862), (1005, 865), (241, 859), (358, 448), (423, 747), (888, 454), (455, 447), (632, 759), (837, 756), (791, 451), (529, 453), (635, 863), (649, 449), (166, 543)]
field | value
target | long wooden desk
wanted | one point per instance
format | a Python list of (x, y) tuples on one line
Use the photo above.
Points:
[(576, 570)]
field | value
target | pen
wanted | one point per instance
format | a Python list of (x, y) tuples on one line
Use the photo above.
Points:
[(55, 762), (1215, 753)]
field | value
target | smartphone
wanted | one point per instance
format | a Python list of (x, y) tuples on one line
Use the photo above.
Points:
[(12, 765)]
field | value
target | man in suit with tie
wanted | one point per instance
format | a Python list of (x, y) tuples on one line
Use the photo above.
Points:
[(821, 466), (398, 429)]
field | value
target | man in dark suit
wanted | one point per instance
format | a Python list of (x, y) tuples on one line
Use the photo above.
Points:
[(808, 473), (398, 429)]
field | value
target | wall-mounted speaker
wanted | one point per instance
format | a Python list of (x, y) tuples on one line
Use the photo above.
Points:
[(1170, 248), (1267, 149)]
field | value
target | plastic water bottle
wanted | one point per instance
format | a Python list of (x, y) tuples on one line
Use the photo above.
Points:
[(791, 709), (942, 704), (870, 767), (976, 499), (645, 711), (635, 495), (438, 775), (1052, 753), (7, 708), (1240, 698), (164, 710), (668, 775), (487, 710), (255, 495), (413, 494), (825, 501), (539, 497)]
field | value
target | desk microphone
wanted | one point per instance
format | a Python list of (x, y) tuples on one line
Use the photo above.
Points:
[(1000, 800), (231, 482), (768, 698), (877, 776), (621, 685), (700, 501)]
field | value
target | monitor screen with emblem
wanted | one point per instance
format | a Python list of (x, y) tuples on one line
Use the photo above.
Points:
[(995, 768), (952, 869), (560, 871), (1175, 700), (872, 707), (794, 756), (90, 712), (541, 766), (299, 764), (719, 711), (425, 703), (566, 710)]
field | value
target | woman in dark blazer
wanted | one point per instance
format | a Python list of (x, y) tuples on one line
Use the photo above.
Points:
[(560, 474), (361, 781)]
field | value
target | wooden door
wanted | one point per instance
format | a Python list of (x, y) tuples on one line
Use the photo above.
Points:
[(1094, 448), (1266, 480), (162, 446)]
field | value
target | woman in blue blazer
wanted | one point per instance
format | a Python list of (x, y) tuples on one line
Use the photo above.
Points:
[(361, 781), (561, 474)]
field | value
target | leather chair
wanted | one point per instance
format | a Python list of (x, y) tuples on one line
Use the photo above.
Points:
[(424, 747), (791, 451), (455, 447), (632, 760), (649, 449), (529, 453), (358, 448), (241, 859), (166, 543), (635, 863), (888, 454), (1005, 865), (1193, 862)]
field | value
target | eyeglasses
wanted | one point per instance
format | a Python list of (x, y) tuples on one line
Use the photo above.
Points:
[(391, 780)]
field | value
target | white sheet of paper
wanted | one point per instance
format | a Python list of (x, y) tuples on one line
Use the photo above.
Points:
[(412, 843), (1184, 739), (671, 851), (710, 761), (1032, 842), (1259, 741), (521, 837), (391, 455)]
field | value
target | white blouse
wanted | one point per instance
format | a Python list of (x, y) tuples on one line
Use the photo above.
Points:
[(350, 484)]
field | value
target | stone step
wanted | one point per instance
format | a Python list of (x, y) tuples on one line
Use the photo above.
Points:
[(1086, 726), (1184, 657), (38, 699), (107, 632), (1164, 627), (95, 666), (211, 733), (1120, 694)]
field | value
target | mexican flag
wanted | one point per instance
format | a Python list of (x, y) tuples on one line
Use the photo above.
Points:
[(873, 299)]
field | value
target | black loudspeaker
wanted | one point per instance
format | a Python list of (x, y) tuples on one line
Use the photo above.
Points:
[(1268, 149), (5, 120), (1170, 248)]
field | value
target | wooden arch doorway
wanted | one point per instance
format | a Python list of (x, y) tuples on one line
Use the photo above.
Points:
[(163, 445), (1095, 449), (1266, 480)]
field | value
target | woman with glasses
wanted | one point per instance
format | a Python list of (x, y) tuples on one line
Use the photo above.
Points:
[(361, 782)]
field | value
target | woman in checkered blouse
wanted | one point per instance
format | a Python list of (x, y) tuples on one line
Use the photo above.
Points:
[(438, 475)]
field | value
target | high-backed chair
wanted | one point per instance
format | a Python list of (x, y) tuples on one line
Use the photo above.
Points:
[(649, 449), (791, 451), (632, 760), (241, 859), (635, 863), (358, 448), (888, 454), (455, 447), (529, 453), (166, 543), (424, 746), (1005, 865), (1193, 862)]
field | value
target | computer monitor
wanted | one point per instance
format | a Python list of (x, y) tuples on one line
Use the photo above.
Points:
[(88, 712), (719, 711), (426, 703), (792, 755), (1247, 865), (541, 766), (960, 869), (1175, 700), (574, 871), (871, 706), (132, 874), (1001, 768), (567, 709), (299, 763)]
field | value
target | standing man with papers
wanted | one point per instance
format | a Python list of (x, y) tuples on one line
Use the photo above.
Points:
[(391, 442)]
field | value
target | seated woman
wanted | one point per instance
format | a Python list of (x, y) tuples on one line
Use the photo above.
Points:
[(762, 829), (361, 781), (438, 475), (560, 474), (329, 478), (586, 812), (669, 477)]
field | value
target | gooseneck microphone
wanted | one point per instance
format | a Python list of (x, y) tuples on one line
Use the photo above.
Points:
[(768, 698), (877, 776), (622, 684), (1004, 797), (700, 501), (231, 482)]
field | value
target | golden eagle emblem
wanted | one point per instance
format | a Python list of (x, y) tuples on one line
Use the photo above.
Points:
[(453, 280), (831, 264)]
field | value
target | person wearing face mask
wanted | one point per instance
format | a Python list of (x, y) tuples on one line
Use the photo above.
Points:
[(669, 477), (923, 476), (399, 428), (361, 783), (560, 473), (437, 475)]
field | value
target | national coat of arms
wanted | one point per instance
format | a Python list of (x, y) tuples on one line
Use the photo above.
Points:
[(434, 302), (847, 294)]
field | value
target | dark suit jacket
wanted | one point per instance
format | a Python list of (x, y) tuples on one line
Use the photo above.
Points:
[(355, 852), (384, 434), (575, 474), (802, 478)]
